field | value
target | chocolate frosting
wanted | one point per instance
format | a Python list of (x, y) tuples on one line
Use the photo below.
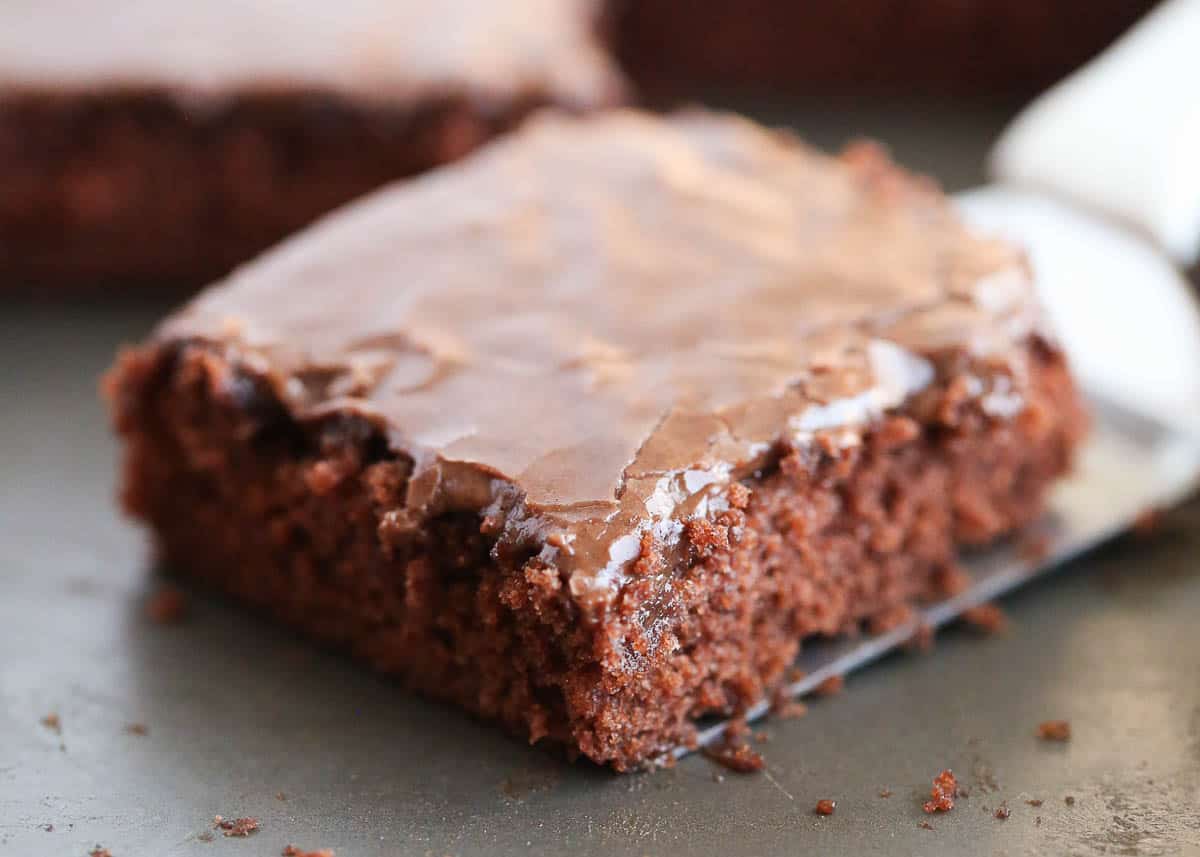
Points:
[(371, 49), (591, 327)]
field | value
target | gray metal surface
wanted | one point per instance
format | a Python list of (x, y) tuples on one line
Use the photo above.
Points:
[(238, 713)]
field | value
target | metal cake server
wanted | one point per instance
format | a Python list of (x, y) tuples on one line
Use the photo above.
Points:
[(1111, 286)]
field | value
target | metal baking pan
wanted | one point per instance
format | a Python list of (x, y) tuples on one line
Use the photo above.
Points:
[(243, 719)]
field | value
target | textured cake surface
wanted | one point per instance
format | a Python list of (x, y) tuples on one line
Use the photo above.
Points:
[(668, 298)]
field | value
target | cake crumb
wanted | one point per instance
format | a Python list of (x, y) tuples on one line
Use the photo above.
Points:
[(791, 710), (1037, 821), (945, 789), (53, 723), (736, 728), (293, 851), (1054, 730), (99, 851), (1069, 800), (1148, 521), (1034, 547), (922, 639), (323, 477), (830, 686), (205, 836), (239, 827), (1002, 812), (761, 737), (925, 825), (885, 792), (891, 618), (167, 606), (739, 758), (1034, 801), (782, 705), (951, 580), (986, 618), (139, 729), (825, 806), (280, 796)]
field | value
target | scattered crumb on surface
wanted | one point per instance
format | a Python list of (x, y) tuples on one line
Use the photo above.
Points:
[(1148, 521), (986, 618), (1038, 821), (761, 737), (830, 686), (951, 580), (791, 710), (736, 728), (49, 828), (784, 706), (293, 851), (922, 639), (718, 778), (1034, 801), (138, 729), (167, 606), (925, 825), (825, 806), (1069, 800), (99, 851), (1034, 547), (206, 836), (1054, 730), (53, 723), (238, 827), (280, 796), (941, 796), (1003, 812), (891, 618), (885, 792), (733, 752), (739, 758)]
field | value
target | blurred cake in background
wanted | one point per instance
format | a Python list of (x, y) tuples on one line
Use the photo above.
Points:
[(802, 47), (166, 141)]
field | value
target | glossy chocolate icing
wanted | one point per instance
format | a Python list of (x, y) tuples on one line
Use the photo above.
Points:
[(591, 327), (368, 49)]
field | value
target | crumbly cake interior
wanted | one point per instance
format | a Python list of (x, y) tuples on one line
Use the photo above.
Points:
[(296, 518)]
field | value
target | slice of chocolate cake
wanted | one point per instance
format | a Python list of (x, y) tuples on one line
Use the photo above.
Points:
[(590, 431), (168, 141)]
